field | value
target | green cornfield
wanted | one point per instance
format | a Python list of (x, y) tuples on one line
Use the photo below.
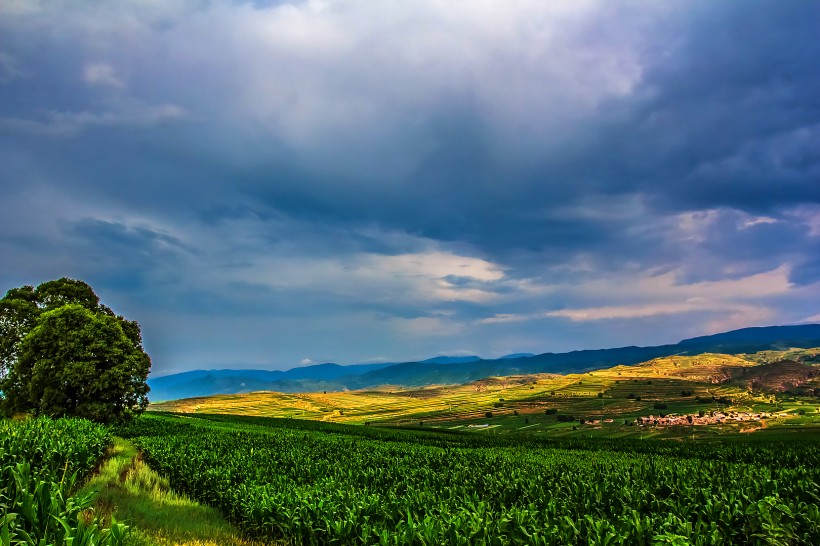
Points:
[(42, 461), (313, 483)]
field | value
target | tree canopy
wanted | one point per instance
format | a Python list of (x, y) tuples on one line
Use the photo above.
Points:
[(63, 353)]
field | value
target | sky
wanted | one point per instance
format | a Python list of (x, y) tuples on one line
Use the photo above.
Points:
[(274, 184)]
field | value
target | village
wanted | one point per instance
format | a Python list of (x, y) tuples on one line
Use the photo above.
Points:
[(700, 418)]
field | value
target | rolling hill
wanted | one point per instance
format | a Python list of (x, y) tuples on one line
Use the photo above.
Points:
[(700, 385), (444, 370)]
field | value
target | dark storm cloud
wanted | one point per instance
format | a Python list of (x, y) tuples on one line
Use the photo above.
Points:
[(125, 258), (729, 115), (416, 168), (717, 119), (113, 235)]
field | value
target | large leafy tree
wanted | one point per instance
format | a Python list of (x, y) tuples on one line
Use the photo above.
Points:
[(63, 353), (18, 314)]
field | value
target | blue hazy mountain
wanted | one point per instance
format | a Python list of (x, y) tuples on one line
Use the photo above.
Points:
[(226, 381), (450, 359), (516, 355), (461, 369)]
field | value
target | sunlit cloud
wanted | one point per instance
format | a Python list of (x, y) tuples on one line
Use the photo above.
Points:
[(662, 295)]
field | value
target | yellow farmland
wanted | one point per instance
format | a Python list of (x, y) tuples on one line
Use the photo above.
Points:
[(687, 384)]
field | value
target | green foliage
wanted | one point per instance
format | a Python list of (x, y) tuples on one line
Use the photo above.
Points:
[(314, 483), (54, 294), (64, 354), (18, 314), (41, 461)]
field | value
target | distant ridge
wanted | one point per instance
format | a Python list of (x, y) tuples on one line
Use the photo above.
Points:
[(750, 337), (461, 369), (208, 382), (451, 359), (516, 355)]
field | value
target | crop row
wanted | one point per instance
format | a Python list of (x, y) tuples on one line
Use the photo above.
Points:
[(309, 486), (41, 463)]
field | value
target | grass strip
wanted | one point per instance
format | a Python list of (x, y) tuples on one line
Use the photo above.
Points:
[(130, 491)]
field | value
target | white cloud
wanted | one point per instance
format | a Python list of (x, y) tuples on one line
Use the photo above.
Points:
[(68, 124), (427, 272), (435, 265), (411, 278), (20, 7), (756, 220), (9, 68), (657, 295), (648, 310), (694, 226), (102, 74), (666, 287), (808, 215), (739, 317), (425, 327)]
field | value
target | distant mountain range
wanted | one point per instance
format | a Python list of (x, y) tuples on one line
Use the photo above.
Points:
[(461, 369)]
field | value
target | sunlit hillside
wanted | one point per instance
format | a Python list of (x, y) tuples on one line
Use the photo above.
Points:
[(609, 399)]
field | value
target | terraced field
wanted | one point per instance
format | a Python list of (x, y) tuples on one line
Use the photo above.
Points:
[(684, 385)]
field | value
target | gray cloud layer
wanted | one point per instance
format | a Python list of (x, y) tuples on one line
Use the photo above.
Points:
[(260, 183)]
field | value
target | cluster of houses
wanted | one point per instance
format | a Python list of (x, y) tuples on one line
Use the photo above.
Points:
[(706, 418), (711, 418)]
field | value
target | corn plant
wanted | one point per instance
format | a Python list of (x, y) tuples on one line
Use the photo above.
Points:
[(41, 463), (318, 484)]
